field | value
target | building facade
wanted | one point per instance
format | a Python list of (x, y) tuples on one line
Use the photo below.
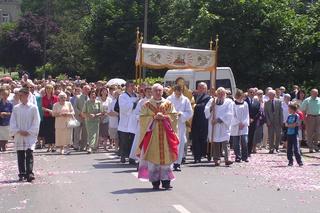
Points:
[(10, 10)]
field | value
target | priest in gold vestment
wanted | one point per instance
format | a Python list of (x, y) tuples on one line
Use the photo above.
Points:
[(158, 147)]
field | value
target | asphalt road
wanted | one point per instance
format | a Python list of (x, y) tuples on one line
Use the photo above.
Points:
[(99, 183)]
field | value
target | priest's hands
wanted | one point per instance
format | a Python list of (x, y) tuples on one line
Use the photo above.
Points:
[(159, 116)]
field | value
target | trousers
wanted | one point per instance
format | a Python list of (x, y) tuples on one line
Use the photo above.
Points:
[(25, 162)]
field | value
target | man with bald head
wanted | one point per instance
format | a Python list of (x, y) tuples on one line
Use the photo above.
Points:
[(199, 128), (274, 117), (311, 107), (158, 147)]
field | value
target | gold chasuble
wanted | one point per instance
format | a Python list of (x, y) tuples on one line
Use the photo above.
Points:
[(158, 141)]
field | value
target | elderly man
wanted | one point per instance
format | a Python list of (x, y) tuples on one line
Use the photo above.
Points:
[(274, 117), (158, 148), (199, 128), (311, 107), (24, 126), (80, 143), (219, 111), (184, 110), (127, 104)]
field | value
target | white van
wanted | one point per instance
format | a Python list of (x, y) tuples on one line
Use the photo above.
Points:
[(192, 78)]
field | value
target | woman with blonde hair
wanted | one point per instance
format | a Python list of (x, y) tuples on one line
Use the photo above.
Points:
[(48, 100), (63, 112)]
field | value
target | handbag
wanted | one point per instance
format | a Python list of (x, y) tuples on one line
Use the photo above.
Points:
[(73, 123)]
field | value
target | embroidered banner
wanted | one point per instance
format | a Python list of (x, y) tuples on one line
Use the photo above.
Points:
[(160, 57)]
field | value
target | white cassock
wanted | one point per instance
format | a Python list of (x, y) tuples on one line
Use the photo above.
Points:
[(126, 103), (25, 117), (240, 115), (225, 113), (136, 115), (182, 106)]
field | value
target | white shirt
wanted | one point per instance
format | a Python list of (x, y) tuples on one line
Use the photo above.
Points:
[(105, 108), (240, 115), (32, 99), (113, 120), (135, 117), (285, 111), (182, 106), (265, 98), (25, 118), (221, 131), (126, 110)]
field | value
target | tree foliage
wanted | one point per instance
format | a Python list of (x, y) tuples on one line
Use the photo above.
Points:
[(266, 42)]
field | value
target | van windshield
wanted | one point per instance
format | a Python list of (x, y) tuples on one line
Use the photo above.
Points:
[(173, 83), (226, 83)]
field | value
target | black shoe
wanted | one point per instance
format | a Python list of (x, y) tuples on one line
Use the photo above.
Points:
[(132, 162), (176, 167), (183, 160), (30, 178), (290, 164), (123, 160), (238, 160), (166, 184), (246, 160), (22, 177), (271, 151), (156, 185), (310, 150), (300, 164), (228, 163), (197, 161), (277, 151)]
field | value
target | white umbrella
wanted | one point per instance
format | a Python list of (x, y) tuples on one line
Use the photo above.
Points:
[(116, 81)]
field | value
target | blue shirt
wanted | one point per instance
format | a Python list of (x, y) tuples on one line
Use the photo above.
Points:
[(5, 107), (292, 118)]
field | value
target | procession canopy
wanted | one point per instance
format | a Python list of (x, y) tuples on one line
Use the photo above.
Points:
[(160, 57)]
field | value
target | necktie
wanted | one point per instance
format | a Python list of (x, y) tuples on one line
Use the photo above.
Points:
[(272, 105)]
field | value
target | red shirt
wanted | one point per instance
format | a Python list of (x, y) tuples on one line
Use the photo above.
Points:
[(48, 103)]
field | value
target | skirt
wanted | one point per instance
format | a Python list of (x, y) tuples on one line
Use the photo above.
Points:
[(41, 130), (4, 133), (49, 130), (104, 130), (63, 136)]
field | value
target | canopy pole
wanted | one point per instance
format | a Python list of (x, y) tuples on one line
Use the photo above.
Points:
[(137, 48), (141, 65), (213, 72)]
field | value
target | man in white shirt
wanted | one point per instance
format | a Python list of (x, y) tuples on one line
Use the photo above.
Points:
[(24, 126), (183, 107), (219, 111), (127, 104)]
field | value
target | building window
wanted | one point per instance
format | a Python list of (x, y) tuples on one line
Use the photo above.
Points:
[(5, 17)]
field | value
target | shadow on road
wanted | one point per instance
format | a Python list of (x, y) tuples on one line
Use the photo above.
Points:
[(134, 191)]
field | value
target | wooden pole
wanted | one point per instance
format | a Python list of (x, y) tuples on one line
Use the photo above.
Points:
[(141, 66), (137, 48)]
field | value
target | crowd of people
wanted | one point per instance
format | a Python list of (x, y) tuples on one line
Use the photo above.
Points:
[(153, 126)]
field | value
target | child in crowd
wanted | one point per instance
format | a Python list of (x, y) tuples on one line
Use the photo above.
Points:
[(292, 123)]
